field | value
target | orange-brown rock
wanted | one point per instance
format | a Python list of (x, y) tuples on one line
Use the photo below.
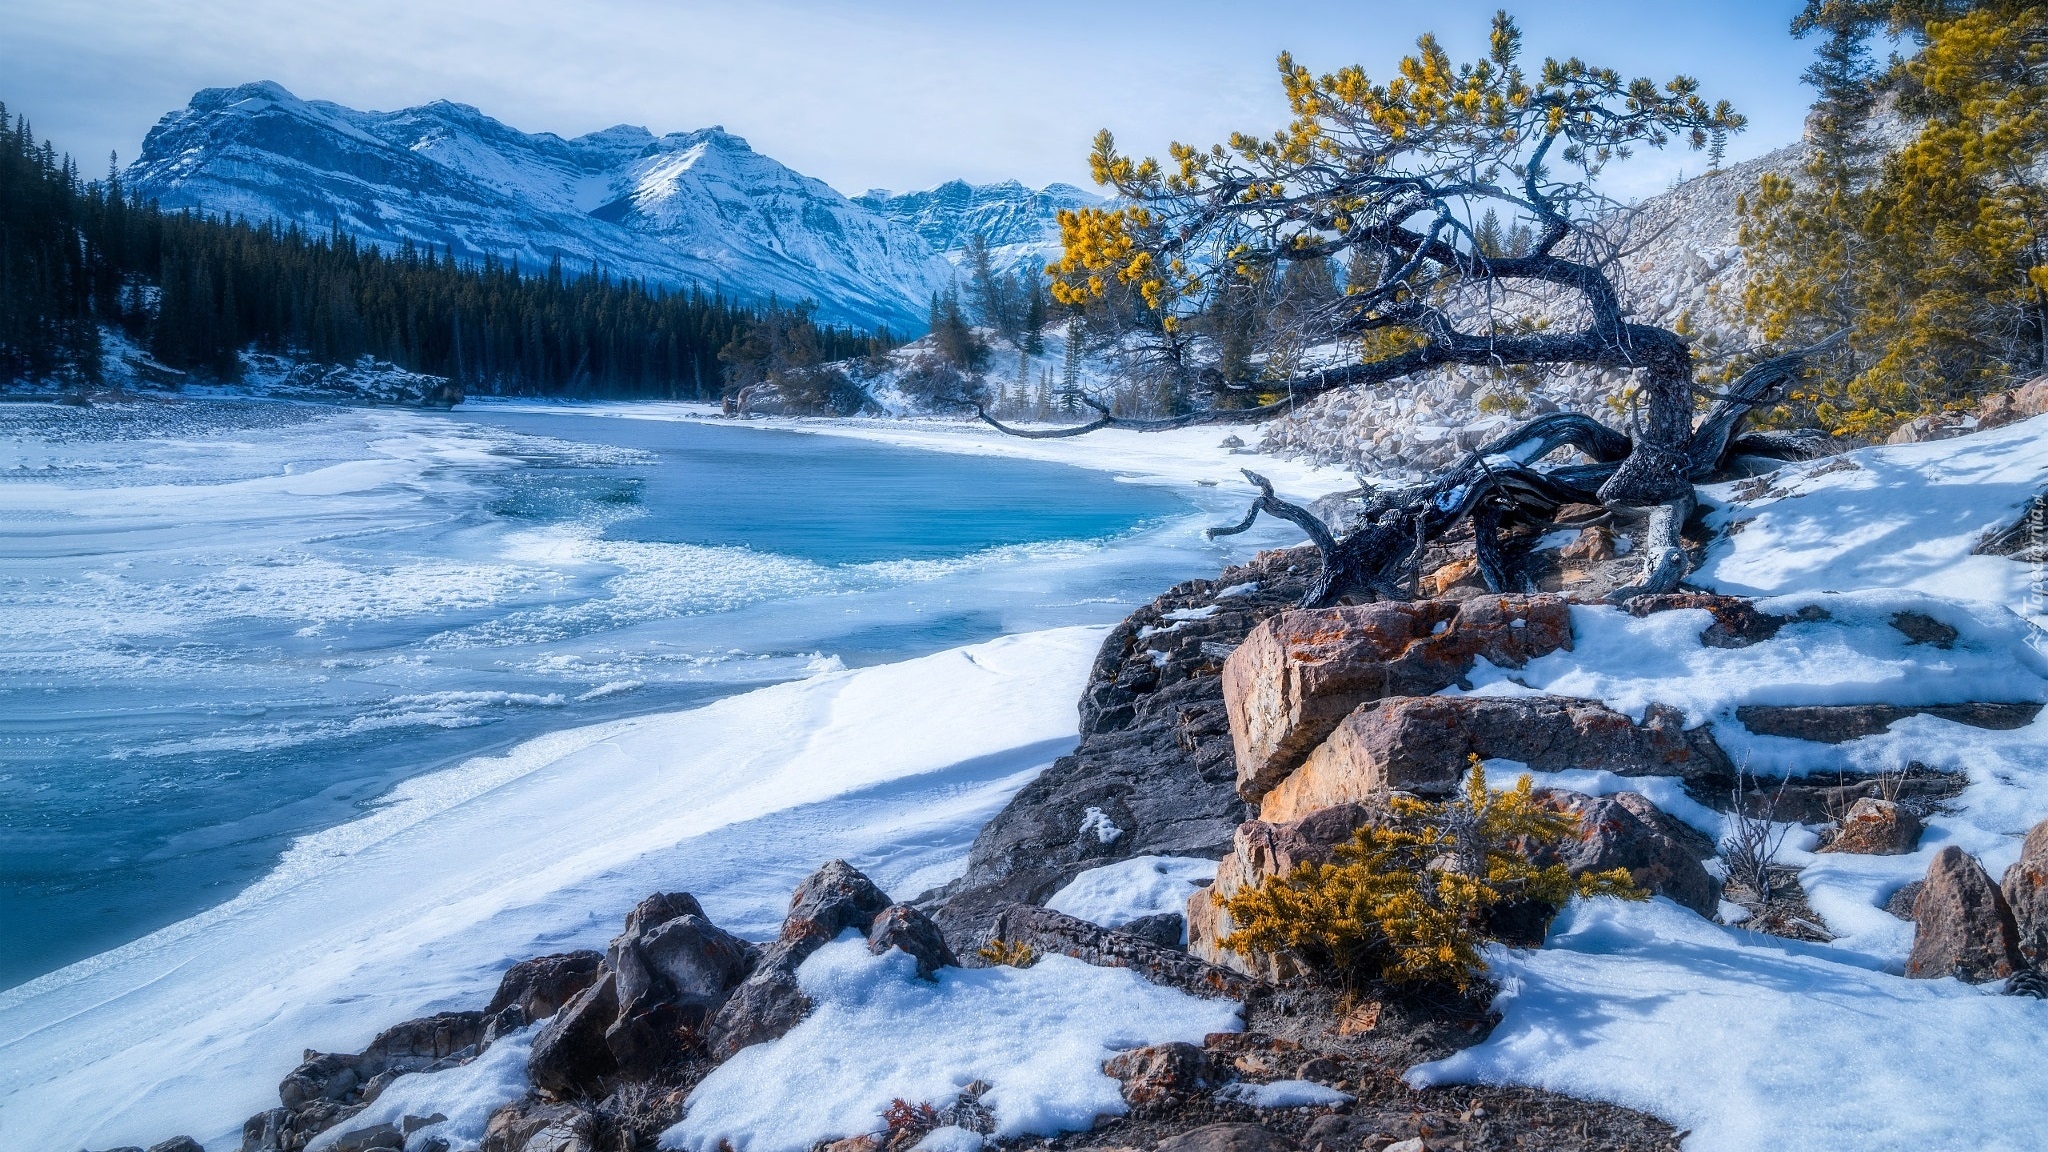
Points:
[(1259, 852), (1962, 926), (2021, 403), (1875, 827), (1422, 744), (1594, 543), (1451, 574), (2026, 891), (1297, 675)]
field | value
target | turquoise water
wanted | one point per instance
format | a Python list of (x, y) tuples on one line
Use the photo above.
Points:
[(231, 623)]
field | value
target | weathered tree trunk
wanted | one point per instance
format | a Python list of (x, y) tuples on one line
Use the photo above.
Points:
[(1651, 475)]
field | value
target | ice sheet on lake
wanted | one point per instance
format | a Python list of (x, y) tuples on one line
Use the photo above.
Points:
[(419, 906)]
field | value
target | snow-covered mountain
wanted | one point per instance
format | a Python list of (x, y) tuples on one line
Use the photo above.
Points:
[(1020, 224), (690, 207)]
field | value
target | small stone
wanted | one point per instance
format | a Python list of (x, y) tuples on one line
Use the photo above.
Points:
[(902, 926), (1166, 929), (1412, 1144), (540, 986), (1153, 1074), (1595, 543), (1900, 903), (1876, 828)]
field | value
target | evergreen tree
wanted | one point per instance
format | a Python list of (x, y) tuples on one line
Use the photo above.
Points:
[(1934, 260), (76, 256)]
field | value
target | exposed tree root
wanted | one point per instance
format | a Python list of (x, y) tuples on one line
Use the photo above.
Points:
[(1499, 486)]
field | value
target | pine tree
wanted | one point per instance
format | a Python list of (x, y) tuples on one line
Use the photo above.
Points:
[(1487, 238), (1934, 260)]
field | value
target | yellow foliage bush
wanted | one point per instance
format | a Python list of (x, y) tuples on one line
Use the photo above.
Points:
[(1407, 901)]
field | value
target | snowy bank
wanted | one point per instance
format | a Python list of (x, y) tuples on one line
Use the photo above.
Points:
[(1755, 1042), (1904, 516), (878, 1033), (420, 905), (1759, 1044)]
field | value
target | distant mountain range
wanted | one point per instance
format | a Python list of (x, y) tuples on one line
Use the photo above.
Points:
[(1020, 224), (686, 208)]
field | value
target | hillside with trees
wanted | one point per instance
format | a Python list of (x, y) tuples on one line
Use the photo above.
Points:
[(78, 257)]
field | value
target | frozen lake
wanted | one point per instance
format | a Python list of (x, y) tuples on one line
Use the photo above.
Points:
[(230, 624)]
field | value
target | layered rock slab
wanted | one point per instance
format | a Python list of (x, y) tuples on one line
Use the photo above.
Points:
[(1298, 675), (1423, 744)]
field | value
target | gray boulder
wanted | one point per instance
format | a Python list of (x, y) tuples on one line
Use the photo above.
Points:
[(1611, 835), (570, 1056), (769, 1003), (902, 926)]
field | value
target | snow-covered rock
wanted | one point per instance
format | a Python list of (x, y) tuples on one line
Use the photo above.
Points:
[(690, 207)]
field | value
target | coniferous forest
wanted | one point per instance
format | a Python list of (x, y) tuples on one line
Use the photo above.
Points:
[(194, 290)]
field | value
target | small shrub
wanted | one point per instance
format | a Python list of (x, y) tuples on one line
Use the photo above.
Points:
[(908, 1121), (1013, 953), (1407, 902)]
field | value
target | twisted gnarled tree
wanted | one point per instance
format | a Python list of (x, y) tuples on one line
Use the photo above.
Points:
[(1398, 187)]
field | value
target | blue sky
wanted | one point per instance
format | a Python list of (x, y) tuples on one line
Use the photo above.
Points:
[(890, 94)]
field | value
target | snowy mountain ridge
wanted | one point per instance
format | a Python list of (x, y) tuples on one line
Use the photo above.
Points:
[(1020, 224), (696, 207)]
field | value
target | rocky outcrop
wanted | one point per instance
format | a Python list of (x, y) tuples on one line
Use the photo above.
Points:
[(570, 1056), (329, 1087), (1874, 827), (1423, 744), (830, 901), (1737, 622), (2025, 888), (1153, 773), (2010, 407), (674, 968), (539, 987), (1962, 926), (1297, 676), (1840, 723), (1258, 852), (1045, 932), (660, 980), (1611, 834)]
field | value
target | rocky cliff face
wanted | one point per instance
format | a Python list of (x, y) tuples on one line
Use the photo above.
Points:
[(686, 208), (1020, 224)]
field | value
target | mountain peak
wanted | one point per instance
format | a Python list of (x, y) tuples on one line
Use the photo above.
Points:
[(699, 207), (1020, 224)]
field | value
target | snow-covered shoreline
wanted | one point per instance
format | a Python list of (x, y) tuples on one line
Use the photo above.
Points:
[(420, 905), (1178, 456), (400, 913)]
